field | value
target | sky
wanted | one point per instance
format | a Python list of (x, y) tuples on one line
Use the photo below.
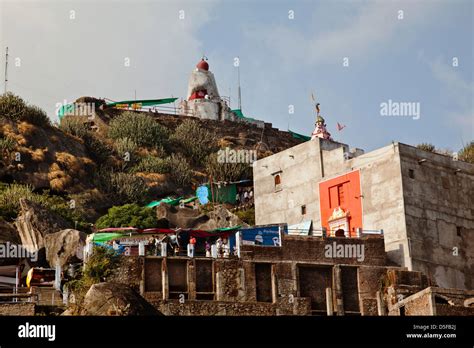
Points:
[(353, 56)]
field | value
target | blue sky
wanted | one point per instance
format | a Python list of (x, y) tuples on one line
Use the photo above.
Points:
[(283, 60)]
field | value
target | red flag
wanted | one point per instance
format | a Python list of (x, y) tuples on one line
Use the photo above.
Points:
[(340, 127)]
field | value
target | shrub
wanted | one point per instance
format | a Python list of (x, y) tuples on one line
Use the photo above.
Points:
[(100, 265), (152, 164), (128, 215), (140, 128), (466, 154), (124, 146), (74, 126), (7, 143), (227, 171), (10, 204), (426, 147), (196, 142), (247, 215), (14, 108), (96, 148), (180, 170), (126, 188), (10, 199), (36, 116)]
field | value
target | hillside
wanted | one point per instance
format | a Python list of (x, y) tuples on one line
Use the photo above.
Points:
[(118, 157)]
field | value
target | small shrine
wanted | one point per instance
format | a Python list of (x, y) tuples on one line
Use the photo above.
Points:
[(320, 130), (339, 223)]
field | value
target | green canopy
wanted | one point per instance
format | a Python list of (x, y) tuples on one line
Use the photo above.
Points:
[(104, 237), (299, 136), (144, 102), (239, 114), (189, 200), (167, 200)]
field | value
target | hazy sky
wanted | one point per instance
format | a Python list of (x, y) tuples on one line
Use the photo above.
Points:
[(395, 50)]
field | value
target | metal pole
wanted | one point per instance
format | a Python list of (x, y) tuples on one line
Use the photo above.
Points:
[(240, 95), (6, 70)]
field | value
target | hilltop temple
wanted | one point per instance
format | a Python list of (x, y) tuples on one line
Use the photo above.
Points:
[(203, 99)]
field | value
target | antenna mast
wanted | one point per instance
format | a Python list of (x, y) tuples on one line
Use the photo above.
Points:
[(6, 70), (240, 95)]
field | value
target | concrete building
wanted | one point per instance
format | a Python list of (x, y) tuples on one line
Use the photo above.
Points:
[(423, 201)]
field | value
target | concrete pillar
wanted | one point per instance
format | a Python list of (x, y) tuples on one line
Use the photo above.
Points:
[(164, 247), (218, 286), (338, 287), (142, 277), (164, 279), (381, 310), (274, 285), (191, 280), (329, 304)]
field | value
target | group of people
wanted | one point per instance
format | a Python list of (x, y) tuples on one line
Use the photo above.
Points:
[(244, 196), (173, 246)]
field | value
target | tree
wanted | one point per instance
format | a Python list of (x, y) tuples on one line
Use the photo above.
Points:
[(128, 215)]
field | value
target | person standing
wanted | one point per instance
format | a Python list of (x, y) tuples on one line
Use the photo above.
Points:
[(192, 243), (208, 248)]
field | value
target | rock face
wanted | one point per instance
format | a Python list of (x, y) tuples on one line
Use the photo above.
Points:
[(169, 216), (64, 247), (112, 299), (8, 233), (34, 222)]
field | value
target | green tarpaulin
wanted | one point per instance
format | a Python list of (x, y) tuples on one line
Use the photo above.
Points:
[(239, 114), (299, 136), (104, 237), (168, 200), (223, 194), (145, 102)]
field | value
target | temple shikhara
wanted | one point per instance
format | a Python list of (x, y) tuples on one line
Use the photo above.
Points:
[(203, 99)]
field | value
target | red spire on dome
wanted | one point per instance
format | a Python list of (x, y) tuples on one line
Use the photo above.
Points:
[(202, 65)]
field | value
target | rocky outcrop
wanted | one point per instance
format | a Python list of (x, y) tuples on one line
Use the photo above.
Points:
[(64, 247), (112, 299), (8, 233), (34, 222), (169, 216), (220, 217)]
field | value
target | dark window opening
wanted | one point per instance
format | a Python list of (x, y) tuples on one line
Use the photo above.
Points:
[(277, 180), (303, 210), (411, 173), (340, 233), (263, 280), (458, 230), (402, 311)]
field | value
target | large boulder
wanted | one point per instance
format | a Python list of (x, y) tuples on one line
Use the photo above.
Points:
[(220, 217), (36, 221), (64, 247), (8, 233), (170, 216), (113, 299)]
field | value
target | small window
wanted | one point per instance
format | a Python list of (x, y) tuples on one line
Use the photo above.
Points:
[(458, 230), (303, 210), (277, 180), (411, 173)]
